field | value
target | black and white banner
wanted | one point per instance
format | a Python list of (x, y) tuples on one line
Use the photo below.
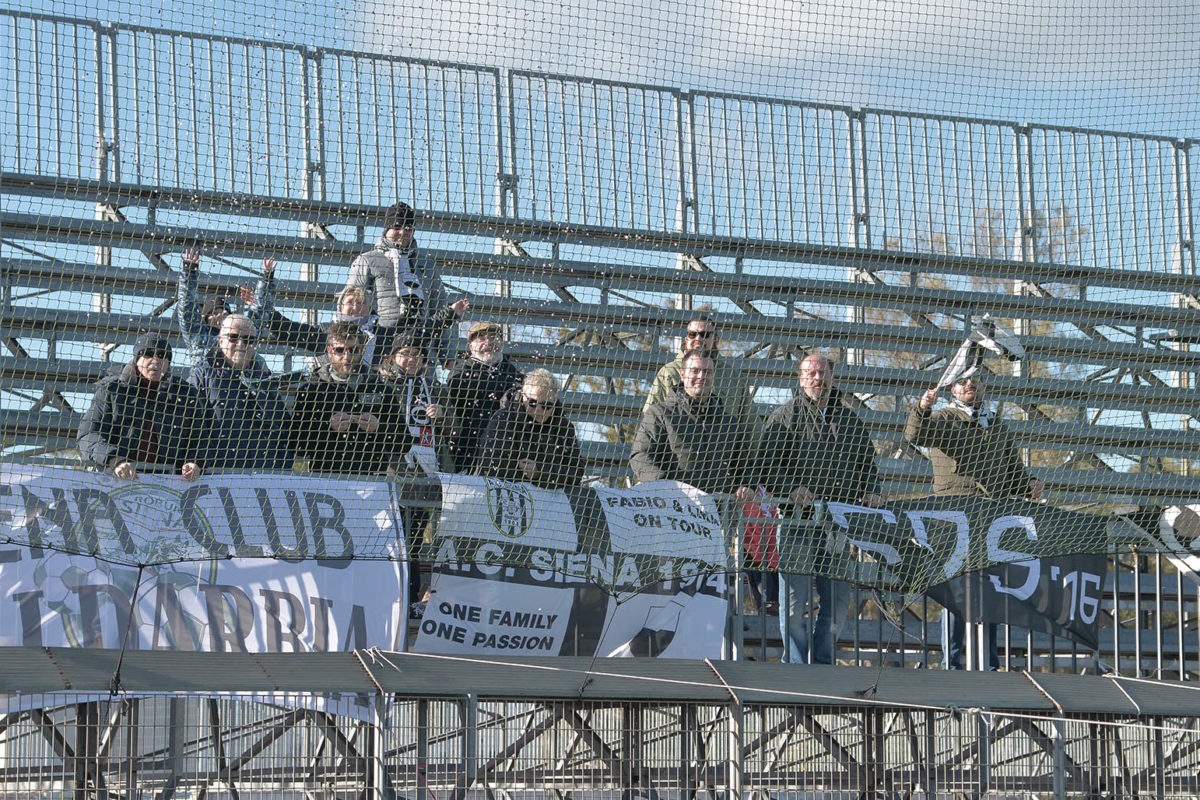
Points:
[(1030, 565), (233, 562), (588, 571), (1179, 538)]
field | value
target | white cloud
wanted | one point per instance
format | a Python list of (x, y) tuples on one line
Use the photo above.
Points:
[(1118, 64), (1128, 65)]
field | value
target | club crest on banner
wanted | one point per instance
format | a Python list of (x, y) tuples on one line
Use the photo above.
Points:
[(510, 506), (159, 510)]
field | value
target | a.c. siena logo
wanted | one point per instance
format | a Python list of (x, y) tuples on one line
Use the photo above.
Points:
[(510, 506)]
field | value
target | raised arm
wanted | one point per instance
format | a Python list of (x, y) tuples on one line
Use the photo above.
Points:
[(187, 301)]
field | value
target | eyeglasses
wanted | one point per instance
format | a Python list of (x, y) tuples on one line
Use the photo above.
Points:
[(967, 382), (163, 354), (708, 334), (535, 403), (248, 338), (342, 349)]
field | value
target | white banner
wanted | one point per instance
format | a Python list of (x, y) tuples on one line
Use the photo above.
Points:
[(234, 562), (1179, 530), (523, 570)]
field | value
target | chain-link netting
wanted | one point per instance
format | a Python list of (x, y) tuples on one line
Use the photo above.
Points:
[(603, 296)]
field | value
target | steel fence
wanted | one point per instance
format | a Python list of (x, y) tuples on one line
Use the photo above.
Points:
[(213, 745), (82, 99)]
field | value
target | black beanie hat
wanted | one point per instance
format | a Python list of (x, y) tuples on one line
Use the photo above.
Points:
[(148, 342), (400, 215)]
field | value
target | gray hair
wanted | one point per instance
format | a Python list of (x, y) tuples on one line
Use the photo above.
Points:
[(541, 379)]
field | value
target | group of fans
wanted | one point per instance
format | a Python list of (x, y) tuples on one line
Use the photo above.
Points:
[(370, 405)]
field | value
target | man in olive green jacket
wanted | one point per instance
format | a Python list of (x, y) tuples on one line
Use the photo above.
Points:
[(729, 384)]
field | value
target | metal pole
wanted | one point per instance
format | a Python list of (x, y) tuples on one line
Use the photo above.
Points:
[(1060, 760), (313, 132), (102, 301)]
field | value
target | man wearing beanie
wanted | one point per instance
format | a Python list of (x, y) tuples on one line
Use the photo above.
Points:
[(146, 420), (408, 291)]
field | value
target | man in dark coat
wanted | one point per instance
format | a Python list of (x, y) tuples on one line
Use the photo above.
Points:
[(145, 419), (346, 419), (815, 447), (689, 436), (532, 440), (477, 388), (972, 453), (251, 421)]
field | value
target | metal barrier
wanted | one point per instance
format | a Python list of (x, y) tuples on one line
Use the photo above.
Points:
[(119, 102), (427, 728)]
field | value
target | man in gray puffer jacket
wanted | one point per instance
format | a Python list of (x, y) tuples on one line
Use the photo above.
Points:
[(405, 282)]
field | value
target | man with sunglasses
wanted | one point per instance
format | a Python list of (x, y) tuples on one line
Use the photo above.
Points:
[(532, 441), (146, 420), (972, 453), (729, 384), (478, 387), (347, 419), (251, 421)]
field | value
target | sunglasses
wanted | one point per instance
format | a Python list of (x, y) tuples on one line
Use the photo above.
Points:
[(534, 403), (341, 349), (163, 354), (240, 337), (700, 334), (967, 382)]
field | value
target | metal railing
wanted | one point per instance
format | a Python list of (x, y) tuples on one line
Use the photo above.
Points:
[(119, 102), (428, 729)]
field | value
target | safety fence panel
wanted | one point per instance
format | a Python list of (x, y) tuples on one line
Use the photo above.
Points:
[(596, 152), (90, 100), (1102, 199), (771, 169), (53, 95), (427, 132), (206, 745), (213, 114), (939, 185)]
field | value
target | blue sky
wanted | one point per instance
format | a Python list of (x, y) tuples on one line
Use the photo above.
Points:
[(1127, 66)]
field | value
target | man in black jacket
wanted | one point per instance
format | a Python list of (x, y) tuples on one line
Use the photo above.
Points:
[(477, 388), (250, 420), (815, 447), (346, 418), (532, 440), (145, 419)]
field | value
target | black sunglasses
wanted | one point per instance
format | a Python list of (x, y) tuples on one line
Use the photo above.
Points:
[(534, 403), (700, 334), (163, 354), (341, 350), (248, 338)]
